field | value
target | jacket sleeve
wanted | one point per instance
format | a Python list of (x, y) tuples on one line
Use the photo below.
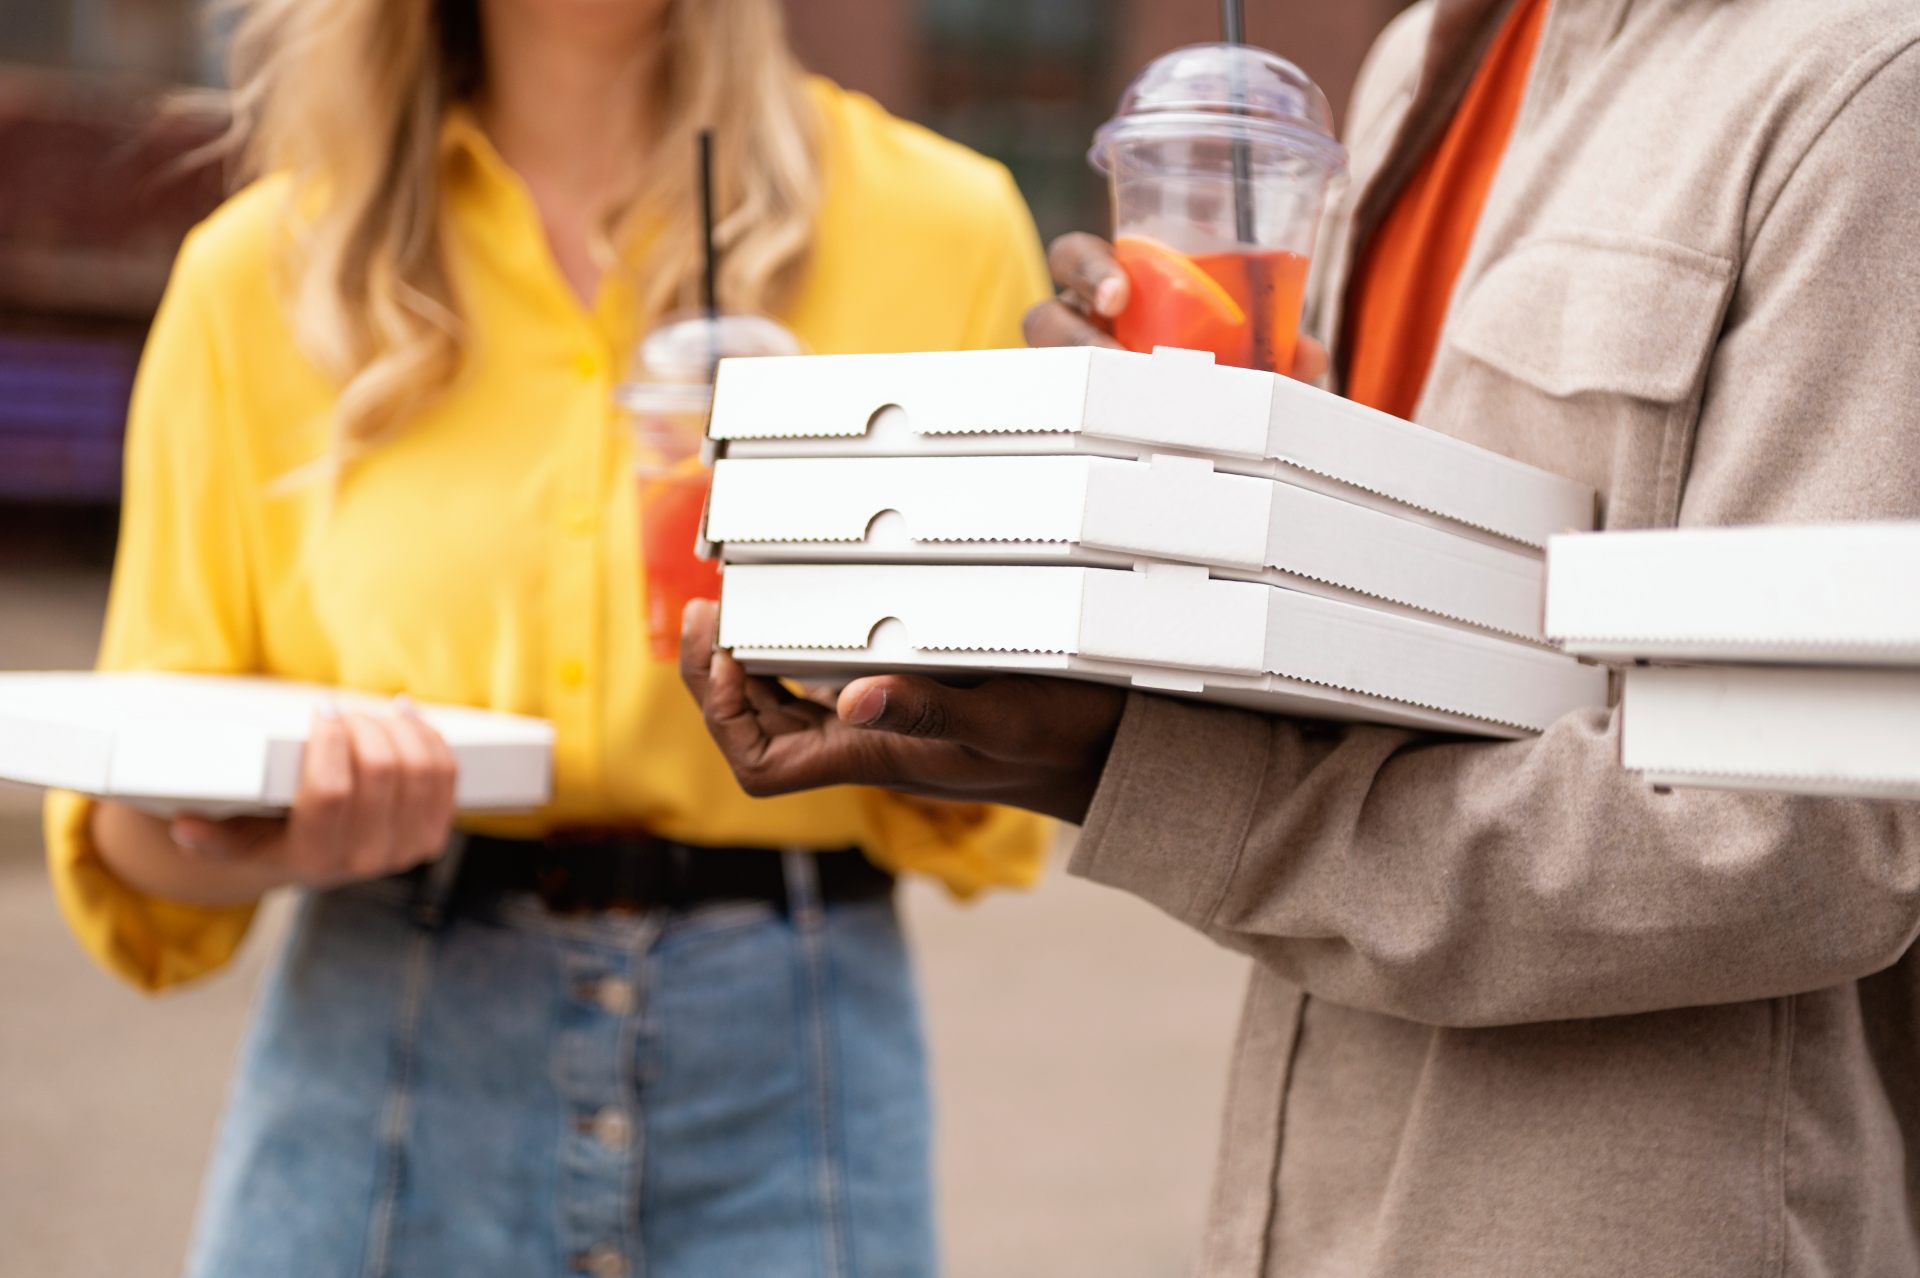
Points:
[(1468, 883), (179, 601)]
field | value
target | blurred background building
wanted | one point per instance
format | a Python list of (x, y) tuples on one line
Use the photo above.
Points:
[(1079, 1040), (95, 192)]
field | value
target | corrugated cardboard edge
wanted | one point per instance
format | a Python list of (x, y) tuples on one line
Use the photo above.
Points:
[(848, 654), (1695, 650), (1478, 627), (1786, 782), (1400, 499)]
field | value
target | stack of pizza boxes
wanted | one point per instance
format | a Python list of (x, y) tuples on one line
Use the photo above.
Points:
[(1154, 521), (1780, 658)]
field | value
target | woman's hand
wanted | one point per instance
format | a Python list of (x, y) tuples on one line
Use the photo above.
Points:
[(1094, 289), (1038, 744), (375, 798)]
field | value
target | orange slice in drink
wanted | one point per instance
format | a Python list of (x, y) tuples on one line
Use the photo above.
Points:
[(1174, 302)]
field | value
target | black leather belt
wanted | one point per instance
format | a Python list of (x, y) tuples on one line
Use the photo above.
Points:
[(591, 872)]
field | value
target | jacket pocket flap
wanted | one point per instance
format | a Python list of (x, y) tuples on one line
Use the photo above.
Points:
[(1576, 312)]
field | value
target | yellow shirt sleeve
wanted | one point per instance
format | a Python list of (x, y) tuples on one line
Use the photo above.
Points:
[(1014, 280), (179, 602), (972, 847)]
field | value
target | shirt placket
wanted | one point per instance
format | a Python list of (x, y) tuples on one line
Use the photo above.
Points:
[(601, 1158), (578, 363), (576, 561)]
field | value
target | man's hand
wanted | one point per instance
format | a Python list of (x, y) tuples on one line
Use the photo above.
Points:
[(1038, 744), (1094, 288)]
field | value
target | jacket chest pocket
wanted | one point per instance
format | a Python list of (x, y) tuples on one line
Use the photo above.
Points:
[(1584, 352)]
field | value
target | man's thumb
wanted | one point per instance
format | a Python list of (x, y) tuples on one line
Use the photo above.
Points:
[(910, 706)]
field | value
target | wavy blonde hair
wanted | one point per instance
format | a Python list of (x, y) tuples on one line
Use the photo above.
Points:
[(349, 98)]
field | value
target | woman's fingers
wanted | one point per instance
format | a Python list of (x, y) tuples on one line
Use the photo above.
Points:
[(378, 792), (427, 776), (1084, 266), (320, 826), (376, 797)]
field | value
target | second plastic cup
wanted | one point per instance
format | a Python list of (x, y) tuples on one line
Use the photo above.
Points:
[(1218, 159), (666, 399)]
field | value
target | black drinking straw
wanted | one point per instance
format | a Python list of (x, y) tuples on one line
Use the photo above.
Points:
[(1233, 28), (709, 259), (709, 256), (1233, 22)]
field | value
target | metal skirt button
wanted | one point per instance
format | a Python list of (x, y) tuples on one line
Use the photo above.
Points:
[(601, 1262)]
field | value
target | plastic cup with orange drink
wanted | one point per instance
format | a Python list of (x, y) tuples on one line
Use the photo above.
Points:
[(666, 399), (1219, 160)]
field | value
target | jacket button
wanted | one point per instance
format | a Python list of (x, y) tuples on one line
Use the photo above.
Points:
[(572, 672)]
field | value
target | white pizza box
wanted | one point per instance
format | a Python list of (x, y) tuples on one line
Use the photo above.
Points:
[(1114, 512), (223, 745), (1165, 627), (1820, 594), (1120, 404), (1789, 730)]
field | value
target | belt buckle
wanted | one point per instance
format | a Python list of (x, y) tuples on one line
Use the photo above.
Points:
[(552, 879), (556, 869), (606, 871)]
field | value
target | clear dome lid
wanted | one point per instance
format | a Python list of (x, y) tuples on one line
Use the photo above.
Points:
[(1233, 91), (672, 371)]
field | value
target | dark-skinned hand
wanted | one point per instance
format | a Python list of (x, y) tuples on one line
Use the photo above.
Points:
[(1038, 744), (1094, 288)]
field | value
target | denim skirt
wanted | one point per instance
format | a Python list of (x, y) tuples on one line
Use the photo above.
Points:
[(730, 1090)]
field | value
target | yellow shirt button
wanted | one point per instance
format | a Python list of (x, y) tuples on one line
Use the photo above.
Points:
[(578, 518), (573, 672), (587, 364)]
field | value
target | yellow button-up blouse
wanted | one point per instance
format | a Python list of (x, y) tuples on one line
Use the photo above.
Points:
[(487, 555)]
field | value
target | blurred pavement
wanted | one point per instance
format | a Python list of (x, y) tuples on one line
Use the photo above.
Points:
[(1079, 1043)]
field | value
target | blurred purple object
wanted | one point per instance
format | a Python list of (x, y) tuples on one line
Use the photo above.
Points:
[(63, 402), (95, 201)]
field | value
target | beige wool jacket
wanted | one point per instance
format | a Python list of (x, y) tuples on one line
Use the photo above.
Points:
[(1512, 1012)]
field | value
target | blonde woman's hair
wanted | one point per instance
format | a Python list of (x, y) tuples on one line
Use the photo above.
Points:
[(349, 97)]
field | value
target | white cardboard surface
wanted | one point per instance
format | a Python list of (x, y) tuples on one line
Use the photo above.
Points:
[(1825, 594), (1102, 511), (1120, 404), (222, 745), (1167, 627), (1795, 731)]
